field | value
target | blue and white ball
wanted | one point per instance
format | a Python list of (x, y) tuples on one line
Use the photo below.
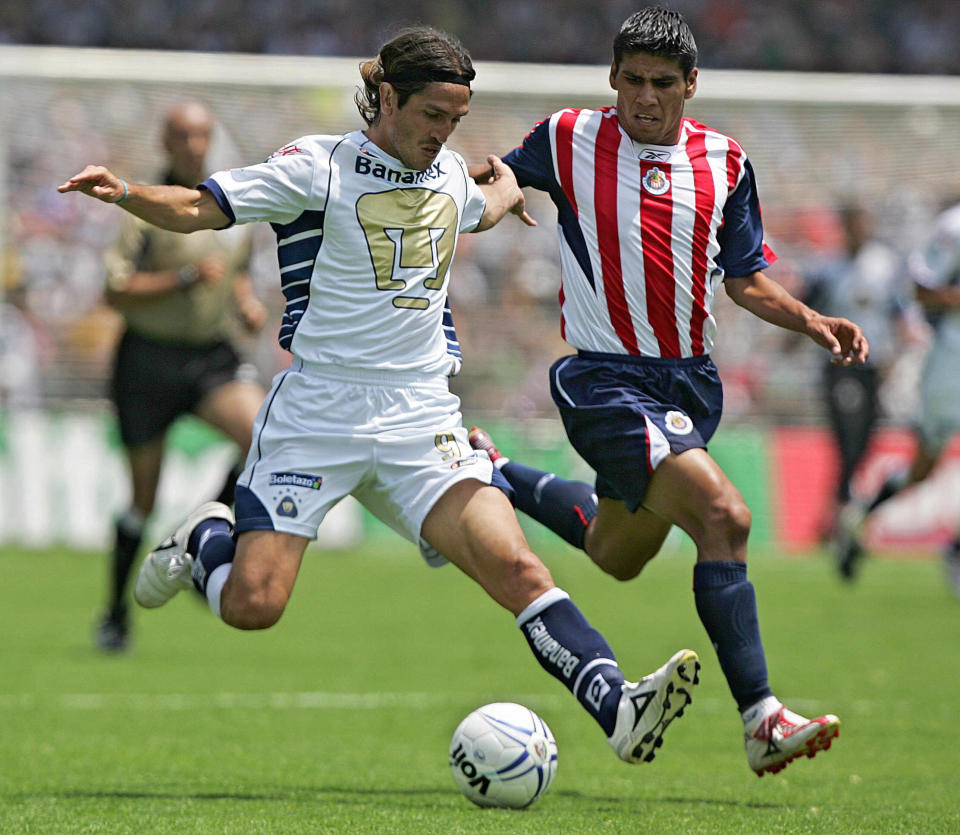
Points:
[(503, 755)]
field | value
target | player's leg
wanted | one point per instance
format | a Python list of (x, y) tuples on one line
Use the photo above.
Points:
[(565, 507), (230, 404), (692, 491), (618, 541), (146, 390), (247, 579), (474, 526), (848, 544), (144, 463)]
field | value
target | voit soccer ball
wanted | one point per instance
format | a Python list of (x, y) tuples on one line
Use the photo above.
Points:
[(503, 755)]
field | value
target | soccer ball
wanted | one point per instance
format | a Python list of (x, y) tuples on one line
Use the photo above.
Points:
[(503, 755)]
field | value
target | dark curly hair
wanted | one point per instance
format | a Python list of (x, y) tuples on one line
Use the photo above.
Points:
[(416, 57)]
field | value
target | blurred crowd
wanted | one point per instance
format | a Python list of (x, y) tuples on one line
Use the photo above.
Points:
[(827, 35), (56, 334)]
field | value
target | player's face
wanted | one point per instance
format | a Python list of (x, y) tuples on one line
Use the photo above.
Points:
[(187, 139), (416, 132), (651, 92)]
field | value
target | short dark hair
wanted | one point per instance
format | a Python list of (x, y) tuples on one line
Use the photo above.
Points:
[(657, 31), (416, 57)]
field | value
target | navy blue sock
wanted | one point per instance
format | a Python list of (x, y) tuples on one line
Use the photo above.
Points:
[(566, 507), (571, 650), (212, 544), (727, 605)]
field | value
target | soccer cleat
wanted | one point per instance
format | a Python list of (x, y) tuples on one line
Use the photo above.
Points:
[(482, 441), (848, 549), (113, 631), (775, 740), (166, 569), (648, 706)]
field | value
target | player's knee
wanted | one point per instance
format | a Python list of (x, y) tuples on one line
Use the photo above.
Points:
[(731, 518), (258, 608), (620, 565)]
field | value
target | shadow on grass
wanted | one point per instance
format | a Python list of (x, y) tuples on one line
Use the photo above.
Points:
[(333, 792)]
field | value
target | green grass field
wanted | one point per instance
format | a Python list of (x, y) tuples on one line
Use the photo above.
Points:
[(338, 719)]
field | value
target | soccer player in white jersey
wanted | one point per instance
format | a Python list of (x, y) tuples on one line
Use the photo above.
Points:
[(367, 225), (656, 212), (935, 270)]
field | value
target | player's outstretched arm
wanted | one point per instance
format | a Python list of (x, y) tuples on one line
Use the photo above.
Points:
[(502, 193), (175, 208), (767, 299)]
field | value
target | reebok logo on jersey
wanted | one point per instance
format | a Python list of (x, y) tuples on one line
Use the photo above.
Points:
[(310, 482), (365, 165), (659, 156)]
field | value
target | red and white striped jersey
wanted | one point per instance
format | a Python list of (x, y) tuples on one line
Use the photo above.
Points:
[(646, 232)]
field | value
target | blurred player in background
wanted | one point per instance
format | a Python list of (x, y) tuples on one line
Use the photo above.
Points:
[(367, 225), (865, 283), (182, 299), (936, 273), (655, 212)]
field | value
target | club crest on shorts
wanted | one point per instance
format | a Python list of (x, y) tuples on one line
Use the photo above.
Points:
[(287, 507), (656, 181), (678, 423)]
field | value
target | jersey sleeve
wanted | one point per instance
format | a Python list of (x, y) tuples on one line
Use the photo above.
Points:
[(474, 203), (275, 191), (938, 263), (532, 161), (742, 250)]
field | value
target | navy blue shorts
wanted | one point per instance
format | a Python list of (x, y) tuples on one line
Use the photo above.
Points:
[(625, 414)]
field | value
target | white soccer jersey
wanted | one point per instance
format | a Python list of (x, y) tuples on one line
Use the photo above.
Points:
[(364, 245), (938, 265), (646, 231)]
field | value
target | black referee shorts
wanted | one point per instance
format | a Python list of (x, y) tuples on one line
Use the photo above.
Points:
[(154, 383)]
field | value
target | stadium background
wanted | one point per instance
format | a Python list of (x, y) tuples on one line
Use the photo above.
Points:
[(835, 100)]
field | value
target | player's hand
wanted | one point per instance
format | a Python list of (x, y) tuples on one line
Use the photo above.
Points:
[(253, 313), (211, 269), (502, 171), (842, 338), (96, 181)]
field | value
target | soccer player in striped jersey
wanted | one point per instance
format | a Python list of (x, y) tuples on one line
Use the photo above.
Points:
[(656, 212), (367, 224)]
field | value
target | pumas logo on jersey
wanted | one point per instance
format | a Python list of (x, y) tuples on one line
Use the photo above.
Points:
[(287, 507), (678, 423), (310, 482), (658, 156), (656, 181)]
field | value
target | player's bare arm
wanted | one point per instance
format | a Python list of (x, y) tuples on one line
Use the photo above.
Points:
[(938, 298), (502, 193), (767, 299), (176, 208)]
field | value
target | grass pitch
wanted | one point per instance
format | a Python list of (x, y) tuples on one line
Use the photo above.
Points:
[(338, 719)]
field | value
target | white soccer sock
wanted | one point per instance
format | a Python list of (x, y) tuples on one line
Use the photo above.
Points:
[(757, 711), (215, 584)]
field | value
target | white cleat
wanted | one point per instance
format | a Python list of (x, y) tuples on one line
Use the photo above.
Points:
[(775, 740), (649, 705), (166, 569)]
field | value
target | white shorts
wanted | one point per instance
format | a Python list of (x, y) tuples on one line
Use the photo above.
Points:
[(395, 441), (940, 398)]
